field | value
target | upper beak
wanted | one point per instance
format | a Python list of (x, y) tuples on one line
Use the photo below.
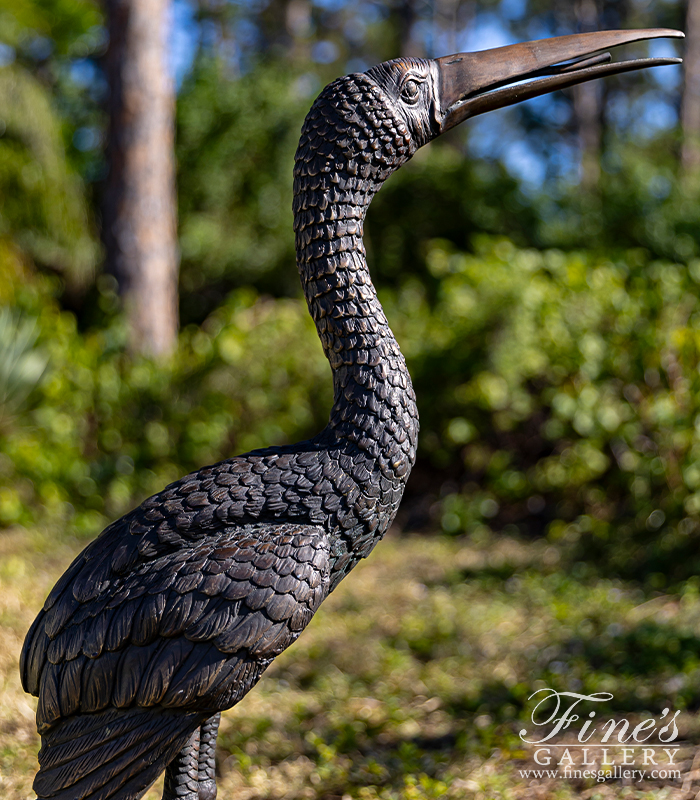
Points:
[(473, 83)]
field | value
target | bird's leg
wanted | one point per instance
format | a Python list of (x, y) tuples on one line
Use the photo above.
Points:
[(207, 758), (182, 773)]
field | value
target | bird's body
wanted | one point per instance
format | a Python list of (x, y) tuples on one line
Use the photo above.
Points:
[(174, 612)]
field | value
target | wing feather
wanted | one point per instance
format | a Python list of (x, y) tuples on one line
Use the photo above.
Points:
[(120, 630), (214, 621), (98, 680), (49, 707), (147, 619), (33, 656), (161, 670), (94, 639), (187, 625), (132, 665), (71, 681), (194, 675), (59, 614), (245, 634), (176, 612), (110, 754)]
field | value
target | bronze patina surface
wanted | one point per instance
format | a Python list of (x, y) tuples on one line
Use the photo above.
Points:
[(174, 612)]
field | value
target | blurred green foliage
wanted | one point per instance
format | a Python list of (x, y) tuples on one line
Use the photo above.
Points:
[(48, 30), (102, 431), (235, 148), (567, 384), (42, 203), (559, 390), (21, 364)]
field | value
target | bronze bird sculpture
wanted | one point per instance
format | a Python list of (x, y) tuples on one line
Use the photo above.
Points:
[(174, 612)]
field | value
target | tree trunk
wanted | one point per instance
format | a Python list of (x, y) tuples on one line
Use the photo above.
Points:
[(139, 226), (587, 106), (299, 26), (407, 17), (690, 111)]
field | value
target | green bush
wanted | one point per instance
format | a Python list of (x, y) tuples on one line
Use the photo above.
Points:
[(102, 431), (235, 150), (21, 364), (42, 201), (563, 388), (558, 392)]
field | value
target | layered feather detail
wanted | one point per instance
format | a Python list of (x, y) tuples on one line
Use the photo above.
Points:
[(175, 610), (109, 754)]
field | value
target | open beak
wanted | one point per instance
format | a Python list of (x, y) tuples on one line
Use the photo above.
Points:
[(473, 83)]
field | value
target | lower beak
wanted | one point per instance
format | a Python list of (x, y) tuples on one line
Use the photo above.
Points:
[(473, 83)]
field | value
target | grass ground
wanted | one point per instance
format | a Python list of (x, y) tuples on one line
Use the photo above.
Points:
[(413, 679)]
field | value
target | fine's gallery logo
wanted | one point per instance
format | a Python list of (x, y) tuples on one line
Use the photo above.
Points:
[(572, 733), (567, 703)]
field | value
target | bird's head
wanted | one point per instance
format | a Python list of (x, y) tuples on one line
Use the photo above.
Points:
[(364, 126), (434, 95)]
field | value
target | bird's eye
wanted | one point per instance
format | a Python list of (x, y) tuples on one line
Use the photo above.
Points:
[(410, 91)]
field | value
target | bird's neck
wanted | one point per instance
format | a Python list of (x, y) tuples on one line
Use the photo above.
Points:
[(349, 145)]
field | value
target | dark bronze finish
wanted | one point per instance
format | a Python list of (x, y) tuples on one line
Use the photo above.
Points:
[(474, 83), (175, 611)]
